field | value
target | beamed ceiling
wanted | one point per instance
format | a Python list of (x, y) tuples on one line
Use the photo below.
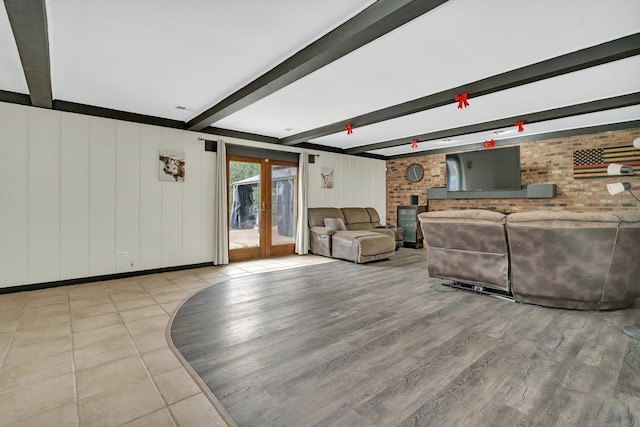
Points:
[(296, 72)]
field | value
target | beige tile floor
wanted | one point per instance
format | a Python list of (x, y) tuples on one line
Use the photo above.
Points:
[(96, 354)]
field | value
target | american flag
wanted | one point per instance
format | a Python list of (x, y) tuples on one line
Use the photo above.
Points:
[(593, 163)]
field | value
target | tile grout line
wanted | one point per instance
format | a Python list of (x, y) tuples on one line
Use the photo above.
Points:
[(74, 373), (13, 333), (135, 346)]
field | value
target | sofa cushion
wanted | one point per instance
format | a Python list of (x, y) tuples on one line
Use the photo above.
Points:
[(317, 215), (336, 224), (375, 218), (370, 243), (374, 245), (463, 215), (562, 219), (357, 219)]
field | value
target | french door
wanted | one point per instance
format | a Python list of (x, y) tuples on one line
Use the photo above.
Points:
[(262, 207)]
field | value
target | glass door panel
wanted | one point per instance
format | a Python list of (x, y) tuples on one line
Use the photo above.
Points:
[(262, 207), (283, 204), (244, 208)]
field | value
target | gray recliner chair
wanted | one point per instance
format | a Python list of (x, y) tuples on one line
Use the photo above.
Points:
[(577, 260), (467, 246)]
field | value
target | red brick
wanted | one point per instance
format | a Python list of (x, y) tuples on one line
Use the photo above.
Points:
[(543, 162)]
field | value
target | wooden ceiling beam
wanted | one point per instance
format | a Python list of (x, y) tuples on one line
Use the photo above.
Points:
[(28, 19)]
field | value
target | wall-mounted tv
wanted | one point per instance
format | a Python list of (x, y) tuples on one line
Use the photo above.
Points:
[(490, 169)]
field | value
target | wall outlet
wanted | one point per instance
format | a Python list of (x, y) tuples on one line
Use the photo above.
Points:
[(121, 254)]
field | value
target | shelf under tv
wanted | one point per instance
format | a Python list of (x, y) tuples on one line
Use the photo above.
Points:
[(531, 191)]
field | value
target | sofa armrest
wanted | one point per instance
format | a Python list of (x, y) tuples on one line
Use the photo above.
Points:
[(323, 230), (320, 241)]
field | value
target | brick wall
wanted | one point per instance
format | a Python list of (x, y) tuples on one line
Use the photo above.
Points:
[(548, 161)]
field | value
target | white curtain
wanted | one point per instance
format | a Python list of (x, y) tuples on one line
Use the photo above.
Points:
[(302, 231), (220, 215)]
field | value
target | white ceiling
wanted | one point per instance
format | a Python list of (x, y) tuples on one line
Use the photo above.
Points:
[(615, 78), (11, 74), (149, 56)]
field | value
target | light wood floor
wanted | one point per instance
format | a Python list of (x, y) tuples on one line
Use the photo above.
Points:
[(381, 344)]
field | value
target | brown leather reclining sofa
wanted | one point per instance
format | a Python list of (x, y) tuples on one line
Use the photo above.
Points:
[(354, 234), (586, 261)]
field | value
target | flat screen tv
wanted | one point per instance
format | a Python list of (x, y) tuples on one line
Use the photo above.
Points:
[(490, 169)]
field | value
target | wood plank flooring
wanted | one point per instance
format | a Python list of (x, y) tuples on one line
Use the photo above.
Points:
[(382, 344)]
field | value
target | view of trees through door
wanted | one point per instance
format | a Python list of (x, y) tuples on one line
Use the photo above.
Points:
[(262, 207)]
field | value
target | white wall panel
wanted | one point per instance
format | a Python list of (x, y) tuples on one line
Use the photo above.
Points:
[(128, 196), (359, 182), (357, 193), (206, 222), (313, 194), (102, 196), (192, 197), (171, 206), (150, 199), (368, 185), (14, 195), (340, 181), (44, 195), (74, 195), (379, 181)]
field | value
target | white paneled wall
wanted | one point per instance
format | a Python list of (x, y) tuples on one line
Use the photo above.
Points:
[(358, 182), (102, 196), (127, 224), (44, 195), (81, 189), (77, 190), (14, 191), (151, 198)]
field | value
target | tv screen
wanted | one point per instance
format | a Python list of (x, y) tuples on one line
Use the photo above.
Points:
[(492, 169)]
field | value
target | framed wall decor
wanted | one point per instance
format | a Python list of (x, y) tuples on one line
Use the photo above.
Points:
[(327, 175), (172, 166)]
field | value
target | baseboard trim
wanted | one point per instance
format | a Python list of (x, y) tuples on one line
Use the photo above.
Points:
[(81, 280)]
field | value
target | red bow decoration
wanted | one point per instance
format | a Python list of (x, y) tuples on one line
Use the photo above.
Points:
[(462, 100), (489, 144), (520, 125), (349, 128), (414, 143)]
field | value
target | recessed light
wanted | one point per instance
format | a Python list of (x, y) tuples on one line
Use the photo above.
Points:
[(180, 107), (446, 141), (501, 132), (291, 130)]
